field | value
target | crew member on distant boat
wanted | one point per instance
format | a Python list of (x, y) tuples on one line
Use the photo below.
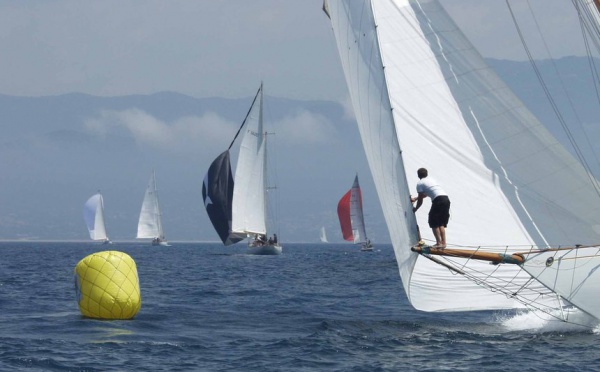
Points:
[(439, 214)]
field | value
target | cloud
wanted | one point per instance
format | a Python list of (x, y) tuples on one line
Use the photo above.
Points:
[(306, 127), (186, 134)]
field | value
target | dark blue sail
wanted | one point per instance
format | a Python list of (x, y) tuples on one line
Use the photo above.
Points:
[(217, 192)]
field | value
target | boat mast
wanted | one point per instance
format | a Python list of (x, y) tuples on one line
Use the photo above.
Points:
[(158, 215)]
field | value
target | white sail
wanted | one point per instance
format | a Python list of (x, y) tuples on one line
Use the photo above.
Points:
[(149, 223), (424, 97), (356, 214), (323, 236), (93, 215), (249, 214)]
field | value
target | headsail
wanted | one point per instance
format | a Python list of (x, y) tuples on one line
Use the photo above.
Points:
[(511, 183), (93, 215)]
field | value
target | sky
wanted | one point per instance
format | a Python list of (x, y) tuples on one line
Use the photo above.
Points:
[(218, 48)]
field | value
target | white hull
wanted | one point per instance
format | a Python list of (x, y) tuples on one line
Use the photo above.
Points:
[(265, 249), (161, 243)]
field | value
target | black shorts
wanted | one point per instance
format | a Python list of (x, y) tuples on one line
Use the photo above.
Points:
[(440, 212)]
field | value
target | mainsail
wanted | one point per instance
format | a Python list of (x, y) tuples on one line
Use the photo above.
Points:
[(350, 214), (149, 223), (93, 215), (249, 195), (424, 97)]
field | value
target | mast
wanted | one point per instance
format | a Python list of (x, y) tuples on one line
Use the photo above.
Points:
[(158, 216), (264, 158)]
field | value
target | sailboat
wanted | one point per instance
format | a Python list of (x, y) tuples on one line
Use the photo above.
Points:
[(323, 235), (352, 221), (241, 211), (93, 215), (149, 223), (424, 97)]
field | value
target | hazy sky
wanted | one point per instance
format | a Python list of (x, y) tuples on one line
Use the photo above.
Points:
[(212, 48)]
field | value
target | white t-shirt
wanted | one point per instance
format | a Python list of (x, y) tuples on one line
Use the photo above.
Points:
[(430, 187)]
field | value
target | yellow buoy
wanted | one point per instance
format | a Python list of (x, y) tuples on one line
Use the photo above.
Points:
[(107, 286)]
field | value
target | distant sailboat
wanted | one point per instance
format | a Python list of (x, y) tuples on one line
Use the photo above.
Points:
[(93, 215), (150, 224), (241, 212), (424, 97), (352, 221), (323, 236)]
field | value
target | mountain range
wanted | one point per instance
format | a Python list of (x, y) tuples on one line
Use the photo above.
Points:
[(57, 151)]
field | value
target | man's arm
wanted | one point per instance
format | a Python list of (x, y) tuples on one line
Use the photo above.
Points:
[(419, 200)]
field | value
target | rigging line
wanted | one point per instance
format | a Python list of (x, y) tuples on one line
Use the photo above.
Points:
[(592, 64), (593, 71), (553, 103), (246, 118), (593, 27), (591, 15)]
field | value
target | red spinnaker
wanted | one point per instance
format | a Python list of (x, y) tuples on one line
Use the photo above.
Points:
[(344, 216)]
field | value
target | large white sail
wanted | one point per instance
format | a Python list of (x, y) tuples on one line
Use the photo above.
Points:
[(424, 97), (149, 223), (93, 215), (249, 212)]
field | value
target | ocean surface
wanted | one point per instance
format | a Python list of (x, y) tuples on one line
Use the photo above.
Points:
[(316, 307)]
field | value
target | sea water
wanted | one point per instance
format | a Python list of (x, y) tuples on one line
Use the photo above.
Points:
[(316, 307)]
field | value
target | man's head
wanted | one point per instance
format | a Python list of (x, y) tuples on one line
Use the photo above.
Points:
[(422, 173)]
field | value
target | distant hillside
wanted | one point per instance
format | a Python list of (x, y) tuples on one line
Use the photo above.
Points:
[(57, 151)]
